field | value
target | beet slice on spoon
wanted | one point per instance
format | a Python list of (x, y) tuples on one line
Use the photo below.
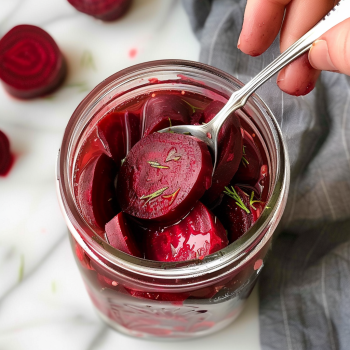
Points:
[(239, 211), (118, 133), (31, 63), (163, 176), (96, 193), (229, 151), (199, 234), (162, 111), (120, 236), (106, 10), (249, 169), (6, 158)]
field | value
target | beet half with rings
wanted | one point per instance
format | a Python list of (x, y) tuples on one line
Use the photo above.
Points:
[(31, 63)]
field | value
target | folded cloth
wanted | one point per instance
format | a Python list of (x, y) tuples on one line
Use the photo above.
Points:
[(305, 285)]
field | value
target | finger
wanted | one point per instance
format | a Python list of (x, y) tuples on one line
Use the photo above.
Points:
[(261, 24), (299, 77), (332, 50)]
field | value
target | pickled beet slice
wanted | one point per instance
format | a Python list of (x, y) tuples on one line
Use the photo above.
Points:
[(162, 111), (199, 234), (106, 10), (118, 133), (31, 63), (238, 212), (6, 157), (249, 169), (229, 151), (163, 176), (120, 236), (96, 193)]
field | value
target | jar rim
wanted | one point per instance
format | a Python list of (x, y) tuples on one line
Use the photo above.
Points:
[(235, 252)]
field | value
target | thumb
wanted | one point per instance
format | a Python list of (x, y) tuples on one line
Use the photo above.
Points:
[(332, 50)]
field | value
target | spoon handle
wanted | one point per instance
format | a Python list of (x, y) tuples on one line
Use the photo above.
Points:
[(338, 14)]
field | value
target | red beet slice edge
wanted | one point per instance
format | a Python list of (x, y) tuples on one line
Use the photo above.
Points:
[(120, 236), (237, 220), (163, 176), (199, 234), (229, 151), (96, 193), (31, 63), (162, 111), (106, 10), (249, 169), (6, 157), (119, 132)]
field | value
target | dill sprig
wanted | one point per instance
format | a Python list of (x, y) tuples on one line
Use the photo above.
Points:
[(193, 107), (252, 201), (233, 194), (153, 195), (157, 165), (244, 159), (170, 125)]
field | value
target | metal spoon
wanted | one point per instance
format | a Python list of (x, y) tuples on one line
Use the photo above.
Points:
[(209, 132)]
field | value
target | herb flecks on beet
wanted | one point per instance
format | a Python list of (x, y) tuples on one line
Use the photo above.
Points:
[(237, 213), (164, 195), (31, 64), (233, 194), (157, 165), (153, 195)]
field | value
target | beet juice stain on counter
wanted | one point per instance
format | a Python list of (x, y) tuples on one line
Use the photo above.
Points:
[(165, 248)]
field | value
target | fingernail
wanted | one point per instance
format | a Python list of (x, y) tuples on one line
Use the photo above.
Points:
[(239, 41), (319, 56), (281, 75)]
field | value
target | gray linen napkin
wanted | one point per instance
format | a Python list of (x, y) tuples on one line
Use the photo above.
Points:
[(305, 285)]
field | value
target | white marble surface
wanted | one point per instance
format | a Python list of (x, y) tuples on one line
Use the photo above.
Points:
[(43, 303)]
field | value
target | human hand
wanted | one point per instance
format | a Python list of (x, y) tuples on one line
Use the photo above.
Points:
[(264, 18)]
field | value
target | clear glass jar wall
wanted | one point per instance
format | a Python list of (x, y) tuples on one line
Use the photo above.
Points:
[(151, 299)]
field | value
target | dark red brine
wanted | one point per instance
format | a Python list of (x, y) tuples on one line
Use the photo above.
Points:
[(152, 195)]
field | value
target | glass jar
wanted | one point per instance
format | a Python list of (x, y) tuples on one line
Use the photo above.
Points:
[(150, 299)]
